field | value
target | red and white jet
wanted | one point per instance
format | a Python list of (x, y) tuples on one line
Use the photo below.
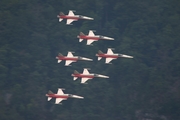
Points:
[(70, 58), (61, 96), (72, 17), (110, 55), (86, 75), (91, 37)]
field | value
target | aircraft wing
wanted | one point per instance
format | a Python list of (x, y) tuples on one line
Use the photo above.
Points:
[(83, 80), (60, 92), (89, 41), (85, 71), (58, 100), (69, 21), (109, 60), (109, 51), (70, 13), (91, 33), (68, 62), (69, 54)]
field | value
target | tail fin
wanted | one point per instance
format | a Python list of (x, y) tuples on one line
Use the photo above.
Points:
[(76, 72), (50, 92), (60, 55), (61, 13), (100, 52), (82, 34)]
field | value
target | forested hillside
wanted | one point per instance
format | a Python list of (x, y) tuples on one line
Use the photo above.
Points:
[(146, 87)]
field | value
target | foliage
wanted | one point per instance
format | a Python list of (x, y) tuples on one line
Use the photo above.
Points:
[(146, 87)]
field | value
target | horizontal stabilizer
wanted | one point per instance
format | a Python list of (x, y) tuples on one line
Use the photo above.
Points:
[(60, 19), (49, 98), (59, 61), (80, 40), (75, 78), (99, 58)]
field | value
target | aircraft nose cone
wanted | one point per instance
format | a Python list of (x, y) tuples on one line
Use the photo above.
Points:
[(88, 18), (109, 38), (126, 56), (106, 38), (91, 18), (76, 96), (103, 76), (87, 59)]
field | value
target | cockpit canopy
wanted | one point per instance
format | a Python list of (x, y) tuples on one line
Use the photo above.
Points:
[(80, 16), (70, 95), (101, 36)]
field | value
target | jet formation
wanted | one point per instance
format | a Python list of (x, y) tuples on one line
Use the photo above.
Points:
[(72, 17), (85, 75)]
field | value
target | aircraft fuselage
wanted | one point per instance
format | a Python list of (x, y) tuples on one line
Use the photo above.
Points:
[(107, 56), (83, 75), (97, 37), (89, 37), (65, 96), (76, 17), (69, 17), (67, 58)]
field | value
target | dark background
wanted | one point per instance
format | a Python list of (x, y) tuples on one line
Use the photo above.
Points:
[(144, 88)]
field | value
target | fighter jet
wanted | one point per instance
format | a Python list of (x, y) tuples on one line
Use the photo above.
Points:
[(70, 58), (60, 96), (91, 37), (86, 75), (110, 55), (72, 17)]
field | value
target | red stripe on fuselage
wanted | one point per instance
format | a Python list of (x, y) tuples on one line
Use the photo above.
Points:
[(67, 58), (83, 76), (88, 37), (57, 96), (69, 17), (107, 56)]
